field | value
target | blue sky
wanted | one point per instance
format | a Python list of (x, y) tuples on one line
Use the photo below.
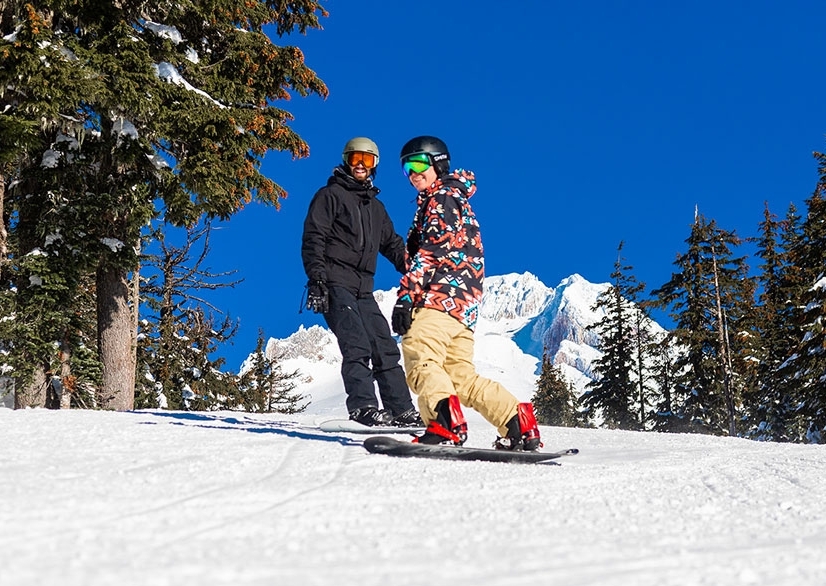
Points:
[(587, 124)]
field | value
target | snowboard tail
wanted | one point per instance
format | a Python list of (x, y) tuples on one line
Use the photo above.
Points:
[(393, 447)]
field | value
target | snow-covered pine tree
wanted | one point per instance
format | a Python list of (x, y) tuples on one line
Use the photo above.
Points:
[(17, 136), (642, 339), (612, 394), (265, 388), (170, 103), (768, 404), (81, 371), (177, 336), (662, 370), (181, 374), (40, 272), (710, 294), (809, 364), (555, 401), (805, 369)]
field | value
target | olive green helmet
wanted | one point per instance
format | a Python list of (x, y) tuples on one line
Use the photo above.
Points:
[(361, 144)]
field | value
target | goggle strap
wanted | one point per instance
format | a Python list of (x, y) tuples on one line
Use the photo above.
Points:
[(418, 158)]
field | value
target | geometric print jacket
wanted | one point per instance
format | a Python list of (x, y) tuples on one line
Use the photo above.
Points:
[(445, 258)]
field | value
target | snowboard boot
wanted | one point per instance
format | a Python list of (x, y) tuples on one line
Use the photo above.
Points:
[(523, 434), (371, 416), (449, 427), (409, 418)]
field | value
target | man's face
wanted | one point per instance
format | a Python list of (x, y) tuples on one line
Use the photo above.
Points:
[(423, 180), (360, 172), (361, 164)]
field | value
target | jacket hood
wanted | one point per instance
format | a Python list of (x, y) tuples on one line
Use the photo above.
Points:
[(465, 179), (461, 179)]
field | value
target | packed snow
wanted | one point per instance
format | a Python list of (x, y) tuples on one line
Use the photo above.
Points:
[(157, 498)]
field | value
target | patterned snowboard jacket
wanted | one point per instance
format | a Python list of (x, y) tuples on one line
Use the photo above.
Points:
[(445, 256)]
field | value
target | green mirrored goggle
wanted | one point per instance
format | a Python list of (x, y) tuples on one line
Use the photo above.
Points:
[(418, 163)]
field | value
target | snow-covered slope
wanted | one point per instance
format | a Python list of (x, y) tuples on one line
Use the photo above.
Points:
[(95, 498)]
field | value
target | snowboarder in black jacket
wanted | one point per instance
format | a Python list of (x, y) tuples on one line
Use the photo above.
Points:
[(345, 230)]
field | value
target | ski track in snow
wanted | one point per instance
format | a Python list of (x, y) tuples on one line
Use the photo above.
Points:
[(157, 498)]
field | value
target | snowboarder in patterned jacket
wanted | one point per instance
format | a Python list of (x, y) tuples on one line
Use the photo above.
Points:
[(345, 229), (438, 306)]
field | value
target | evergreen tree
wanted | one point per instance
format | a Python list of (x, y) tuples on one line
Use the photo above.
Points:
[(707, 298), (809, 365), (662, 370), (614, 393), (805, 369), (769, 405), (178, 337), (265, 388), (168, 103), (181, 374), (17, 136), (40, 268), (642, 339), (554, 401), (48, 296), (192, 380)]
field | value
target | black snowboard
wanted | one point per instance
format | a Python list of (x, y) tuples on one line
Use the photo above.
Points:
[(393, 447)]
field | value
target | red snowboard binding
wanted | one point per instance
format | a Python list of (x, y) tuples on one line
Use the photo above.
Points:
[(448, 427), (523, 433)]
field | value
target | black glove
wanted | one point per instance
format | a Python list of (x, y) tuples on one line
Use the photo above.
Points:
[(318, 299), (402, 316), (413, 243)]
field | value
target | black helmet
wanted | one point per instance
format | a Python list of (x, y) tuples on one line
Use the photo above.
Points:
[(434, 147)]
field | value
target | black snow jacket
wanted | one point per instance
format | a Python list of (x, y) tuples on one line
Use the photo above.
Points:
[(345, 230)]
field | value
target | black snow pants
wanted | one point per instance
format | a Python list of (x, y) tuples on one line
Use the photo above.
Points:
[(369, 353)]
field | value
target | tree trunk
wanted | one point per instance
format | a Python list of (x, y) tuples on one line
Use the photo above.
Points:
[(66, 377), (135, 306), (115, 338), (722, 335), (33, 394), (135, 301), (4, 236)]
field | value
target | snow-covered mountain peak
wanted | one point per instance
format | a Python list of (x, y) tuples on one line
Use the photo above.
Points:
[(578, 288), (566, 317), (578, 296), (514, 296), (313, 344)]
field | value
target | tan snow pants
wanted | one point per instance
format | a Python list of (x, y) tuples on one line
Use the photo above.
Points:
[(438, 360)]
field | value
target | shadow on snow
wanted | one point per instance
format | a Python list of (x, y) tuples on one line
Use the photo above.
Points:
[(283, 428)]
